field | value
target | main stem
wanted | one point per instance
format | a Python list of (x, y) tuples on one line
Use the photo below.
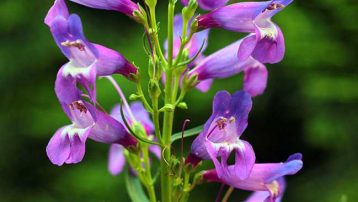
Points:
[(165, 164)]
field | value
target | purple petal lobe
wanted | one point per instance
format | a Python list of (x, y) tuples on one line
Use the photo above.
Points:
[(247, 47), (270, 49), (244, 160), (205, 85), (59, 9), (116, 159), (58, 149), (255, 79)]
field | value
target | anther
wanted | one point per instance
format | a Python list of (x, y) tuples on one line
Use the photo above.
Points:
[(78, 44), (232, 119), (78, 105), (274, 6), (221, 123)]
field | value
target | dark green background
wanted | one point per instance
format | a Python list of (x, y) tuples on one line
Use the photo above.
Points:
[(310, 104)]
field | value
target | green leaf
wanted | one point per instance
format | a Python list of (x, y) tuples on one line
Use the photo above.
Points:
[(134, 188), (187, 133)]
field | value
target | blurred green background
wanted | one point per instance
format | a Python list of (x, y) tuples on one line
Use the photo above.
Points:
[(310, 106)]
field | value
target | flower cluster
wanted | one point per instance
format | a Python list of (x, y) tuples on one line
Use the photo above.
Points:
[(134, 130)]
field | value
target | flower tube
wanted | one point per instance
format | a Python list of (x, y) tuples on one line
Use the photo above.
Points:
[(225, 63), (265, 41)]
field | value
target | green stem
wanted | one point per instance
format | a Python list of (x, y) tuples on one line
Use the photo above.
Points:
[(149, 186), (166, 176), (157, 45), (142, 97), (186, 188)]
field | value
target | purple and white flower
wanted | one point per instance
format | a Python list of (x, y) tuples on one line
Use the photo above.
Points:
[(208, 4), (68, 143), (221, 135), (265, 41), (265, 178), (86, 60)]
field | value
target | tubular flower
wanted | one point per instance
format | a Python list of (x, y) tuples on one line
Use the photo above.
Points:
[(224, 63), (116, 152), (265, 41), (221, 135), (126, 7), (266, 178), (68, 143), (86, 60), (208, 4)]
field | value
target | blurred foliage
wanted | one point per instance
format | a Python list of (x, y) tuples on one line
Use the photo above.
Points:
[(310, 105)]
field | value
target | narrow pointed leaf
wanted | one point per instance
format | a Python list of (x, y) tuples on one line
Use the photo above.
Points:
[(187, 133), (134, 188)]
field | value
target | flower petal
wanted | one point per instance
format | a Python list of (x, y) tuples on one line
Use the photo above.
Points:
[(66, 88), (124, 6), (244, 160), (204, 86), (270, 50), (58, 149), (110, 62), (221, 64), (211, 4), (59, 8), (255, 79), (247, 47), (108, 130), (116, 159), (155, 149)]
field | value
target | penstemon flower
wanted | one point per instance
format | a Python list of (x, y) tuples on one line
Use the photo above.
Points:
[(266, 42), (221, 134), (266, 177), (68, 143), (86, 60), (144, 128), (224, 63)]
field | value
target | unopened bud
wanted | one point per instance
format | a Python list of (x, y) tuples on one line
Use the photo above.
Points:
[(134, 97), (154, 88), (183, 105)]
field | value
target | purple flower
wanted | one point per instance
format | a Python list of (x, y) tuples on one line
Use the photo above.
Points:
[(208, 4), (267, 177), (266, 42), (221, 135), (116, 153), (86, 60), (68, 143), (225, 63), (124, 6)]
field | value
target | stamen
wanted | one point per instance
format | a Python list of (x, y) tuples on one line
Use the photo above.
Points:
[(221, 123), (78, 105), (78, 44), (274, 6), (232, 119)]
